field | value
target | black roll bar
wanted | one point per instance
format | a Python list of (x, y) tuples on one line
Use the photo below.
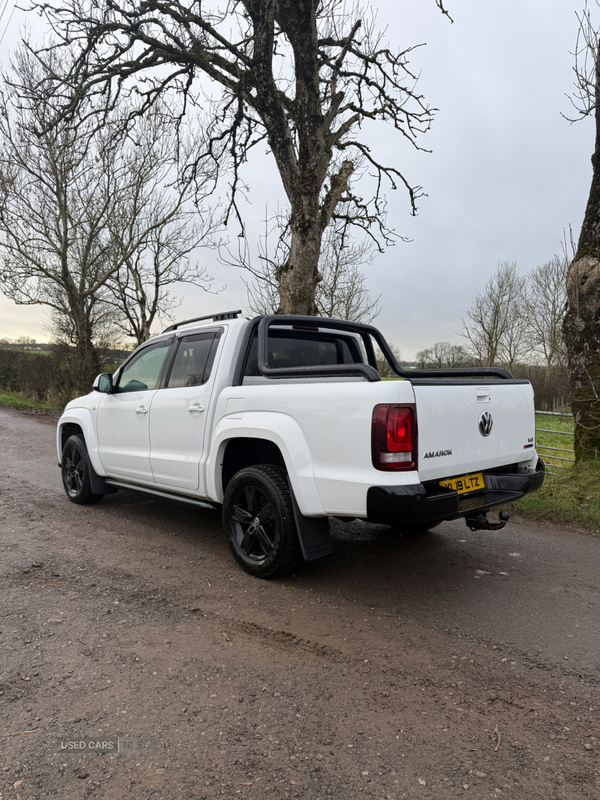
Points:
[(363, 370)]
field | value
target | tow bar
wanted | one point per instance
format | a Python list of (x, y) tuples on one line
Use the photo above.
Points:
[(480, 522)]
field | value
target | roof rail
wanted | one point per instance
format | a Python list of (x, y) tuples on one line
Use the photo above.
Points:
[(214, 317)]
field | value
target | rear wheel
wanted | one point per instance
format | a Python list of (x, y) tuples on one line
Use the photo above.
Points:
[(258, 519), (76, 470)]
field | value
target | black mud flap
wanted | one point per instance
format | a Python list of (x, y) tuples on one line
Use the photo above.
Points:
[(99, 485), (313, 532)]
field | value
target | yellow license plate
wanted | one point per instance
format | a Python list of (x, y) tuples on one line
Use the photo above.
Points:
[(468, 483)]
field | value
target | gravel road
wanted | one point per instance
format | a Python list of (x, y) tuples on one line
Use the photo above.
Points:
[(460, 664)]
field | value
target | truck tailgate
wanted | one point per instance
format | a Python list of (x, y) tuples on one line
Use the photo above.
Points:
[(482, 426)]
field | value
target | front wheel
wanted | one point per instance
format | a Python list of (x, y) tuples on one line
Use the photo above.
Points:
[(258, 519), (76, 470)]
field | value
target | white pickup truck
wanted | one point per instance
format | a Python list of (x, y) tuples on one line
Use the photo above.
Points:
[(284, 421)]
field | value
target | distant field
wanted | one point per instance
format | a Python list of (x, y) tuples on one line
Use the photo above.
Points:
[(42, 351)]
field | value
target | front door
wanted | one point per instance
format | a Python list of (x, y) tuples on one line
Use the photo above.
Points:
[(123, 415)]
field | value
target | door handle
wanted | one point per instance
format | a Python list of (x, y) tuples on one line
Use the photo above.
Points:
[(195, 408), (141, 410)]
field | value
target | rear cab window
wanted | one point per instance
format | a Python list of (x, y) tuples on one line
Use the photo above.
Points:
[(305, 348)]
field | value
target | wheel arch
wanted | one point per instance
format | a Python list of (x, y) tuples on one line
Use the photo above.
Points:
[(69, 429), (263, 438), (78, 422), (246, 451), (75, 427)]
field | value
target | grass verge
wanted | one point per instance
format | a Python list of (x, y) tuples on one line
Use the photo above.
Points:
[(15, 400), (572, 496)]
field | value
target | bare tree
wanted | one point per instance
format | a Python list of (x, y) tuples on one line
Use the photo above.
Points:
[(423, 358), (140, 290), (545, 304), (455, 355), (514, 345), (582, 318), (76, 372), (102, 318), (443, 355), (341, 293), (302, 77), (496, 332), (66, 190), (169, 230), (51, 204), (383, 367)]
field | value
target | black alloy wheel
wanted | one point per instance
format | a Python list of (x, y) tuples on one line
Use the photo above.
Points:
[(75, 471), (258, 519)]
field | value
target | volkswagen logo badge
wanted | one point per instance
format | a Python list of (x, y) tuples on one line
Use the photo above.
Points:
[(485, 423)]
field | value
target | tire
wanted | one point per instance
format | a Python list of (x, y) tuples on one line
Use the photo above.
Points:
[(258, 520), (76, 470)]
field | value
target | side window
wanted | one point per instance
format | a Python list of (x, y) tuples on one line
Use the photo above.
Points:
[(194, 359), (143, 371)]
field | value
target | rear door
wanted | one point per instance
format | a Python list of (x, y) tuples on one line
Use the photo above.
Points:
[(178, 412), (465, 427)]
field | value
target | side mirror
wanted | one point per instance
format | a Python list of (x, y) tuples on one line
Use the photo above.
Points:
[(103, 383)]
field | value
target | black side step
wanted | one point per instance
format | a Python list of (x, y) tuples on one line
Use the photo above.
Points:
[(167, 495)]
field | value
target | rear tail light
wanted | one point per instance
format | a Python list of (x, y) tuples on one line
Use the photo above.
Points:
[(394, 437)]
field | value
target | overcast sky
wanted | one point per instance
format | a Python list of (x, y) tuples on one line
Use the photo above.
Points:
[(506, 175)]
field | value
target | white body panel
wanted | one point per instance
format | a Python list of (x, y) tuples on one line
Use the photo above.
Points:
[(448, 420), (321, 426), (124, 434), (178, 424), (334, 420)]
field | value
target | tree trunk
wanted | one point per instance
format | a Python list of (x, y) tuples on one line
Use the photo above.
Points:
[(582, 338), (581, 327), (303, 166), (144, 334), (87, 366), (85, 363), (298, 278)]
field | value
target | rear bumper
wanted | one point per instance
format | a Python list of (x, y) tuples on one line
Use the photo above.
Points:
[(430, 502)]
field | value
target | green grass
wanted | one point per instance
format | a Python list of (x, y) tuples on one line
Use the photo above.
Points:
[(571, 496), (15, 400)]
